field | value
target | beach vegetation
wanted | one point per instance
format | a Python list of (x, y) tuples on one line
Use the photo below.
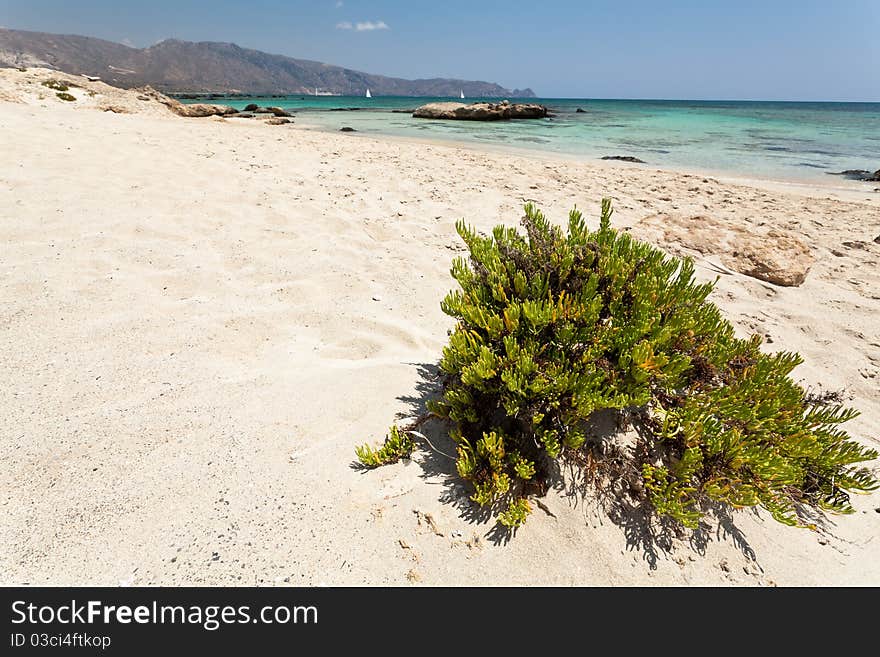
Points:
[(55, 85), (398, 444), (556, 326), (65, 96)]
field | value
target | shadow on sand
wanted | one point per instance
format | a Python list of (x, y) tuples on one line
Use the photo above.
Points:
[(619, 498)]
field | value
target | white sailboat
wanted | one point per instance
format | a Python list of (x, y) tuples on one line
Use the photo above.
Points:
[(462, 94), (369, 95)]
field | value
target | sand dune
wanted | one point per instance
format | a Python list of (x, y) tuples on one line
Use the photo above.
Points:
[(202, 317)]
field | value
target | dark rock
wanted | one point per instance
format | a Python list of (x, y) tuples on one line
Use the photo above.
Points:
[(580, 111), (347, 129), (243, 115), (278, 111), (852, 174), (345, 109), (278, 120), (877, 240), (402, 111), (858, 174), (502, 111), (251, 108), (624, 158)]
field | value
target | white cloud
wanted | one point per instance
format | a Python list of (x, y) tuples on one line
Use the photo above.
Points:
[(365, 26), (369, 26), (127, 42)]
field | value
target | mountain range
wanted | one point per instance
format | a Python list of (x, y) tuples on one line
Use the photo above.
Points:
[(179, 67)]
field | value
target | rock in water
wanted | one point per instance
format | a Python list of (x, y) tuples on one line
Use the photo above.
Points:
[(253, 107), (852, 174), (502, 111), (277, 111), (768, 255), (858, 174), (580, 111), (527, 111), (347, 129), (624, 158)]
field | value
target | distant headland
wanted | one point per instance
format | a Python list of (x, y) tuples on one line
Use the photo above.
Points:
[(174, 66)]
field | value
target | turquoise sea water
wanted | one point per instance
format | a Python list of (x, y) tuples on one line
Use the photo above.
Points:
[(782, 140)]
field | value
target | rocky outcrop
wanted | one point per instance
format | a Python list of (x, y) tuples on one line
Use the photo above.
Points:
[(181, 109), (347, 129), (30, 86), (202, 109), (769, 255), (252, 107), (502, 111), (278, 120)]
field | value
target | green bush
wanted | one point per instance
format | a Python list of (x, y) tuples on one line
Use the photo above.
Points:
[(556, 326), (65, 96), (55, 85)]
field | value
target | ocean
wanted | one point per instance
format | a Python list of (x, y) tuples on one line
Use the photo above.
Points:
[(779, 140)]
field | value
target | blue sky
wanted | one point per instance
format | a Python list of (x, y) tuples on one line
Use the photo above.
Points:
[(740, 49)]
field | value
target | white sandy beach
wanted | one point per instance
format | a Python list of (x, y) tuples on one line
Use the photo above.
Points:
[(201, 318)]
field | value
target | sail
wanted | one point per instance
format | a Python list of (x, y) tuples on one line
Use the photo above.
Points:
[(462, 94), (369, 95)]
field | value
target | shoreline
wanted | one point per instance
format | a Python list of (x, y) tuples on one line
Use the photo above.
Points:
[(846, 190)]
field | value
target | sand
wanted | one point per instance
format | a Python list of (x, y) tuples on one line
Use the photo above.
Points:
[(201, 318)]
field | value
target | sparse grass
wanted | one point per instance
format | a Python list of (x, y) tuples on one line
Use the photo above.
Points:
[(65, 96)]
